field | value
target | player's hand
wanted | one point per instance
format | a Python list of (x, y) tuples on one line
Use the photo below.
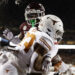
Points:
[(46, 64)]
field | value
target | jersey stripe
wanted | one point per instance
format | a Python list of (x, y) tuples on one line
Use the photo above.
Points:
[(45, 42)]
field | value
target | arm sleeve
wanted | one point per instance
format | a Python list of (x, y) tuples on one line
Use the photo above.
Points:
[(50, 46), (52, 52)]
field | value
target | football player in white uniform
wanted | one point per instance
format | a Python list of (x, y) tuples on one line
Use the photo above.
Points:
[(53, 26), (32, 37), (49, 33)]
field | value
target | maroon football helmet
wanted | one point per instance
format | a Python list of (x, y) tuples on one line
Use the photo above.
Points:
[(33, 12)]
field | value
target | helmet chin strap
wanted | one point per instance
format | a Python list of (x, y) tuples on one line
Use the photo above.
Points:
[(33, 21)]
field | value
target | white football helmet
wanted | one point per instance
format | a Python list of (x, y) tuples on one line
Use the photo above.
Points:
[(52, 25), (33, 12)]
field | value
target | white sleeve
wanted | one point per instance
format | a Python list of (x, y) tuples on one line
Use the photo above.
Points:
[(48, 43), (52, 52)]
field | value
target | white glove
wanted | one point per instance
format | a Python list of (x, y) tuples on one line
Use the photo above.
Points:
[(46, 64), (12, 44)]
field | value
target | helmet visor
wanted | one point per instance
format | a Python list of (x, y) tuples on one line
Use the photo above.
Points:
[(32, 15)]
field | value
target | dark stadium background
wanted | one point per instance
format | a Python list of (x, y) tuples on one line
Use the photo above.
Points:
[(12, 15)]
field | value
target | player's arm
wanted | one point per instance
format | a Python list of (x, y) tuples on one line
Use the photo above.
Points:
[(26, 42), (46, 47)]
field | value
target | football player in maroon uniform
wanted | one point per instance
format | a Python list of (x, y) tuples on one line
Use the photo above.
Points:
[(32, 14)]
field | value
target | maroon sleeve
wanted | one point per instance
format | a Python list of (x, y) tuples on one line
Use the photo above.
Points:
[(21, 27), (24, 27)]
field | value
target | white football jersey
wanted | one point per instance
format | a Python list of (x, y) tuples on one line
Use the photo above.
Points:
[(33, 36), (26, 48)]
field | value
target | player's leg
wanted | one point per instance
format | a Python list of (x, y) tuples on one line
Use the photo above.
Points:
[(33, 58), (8, 69), (59, 64)]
